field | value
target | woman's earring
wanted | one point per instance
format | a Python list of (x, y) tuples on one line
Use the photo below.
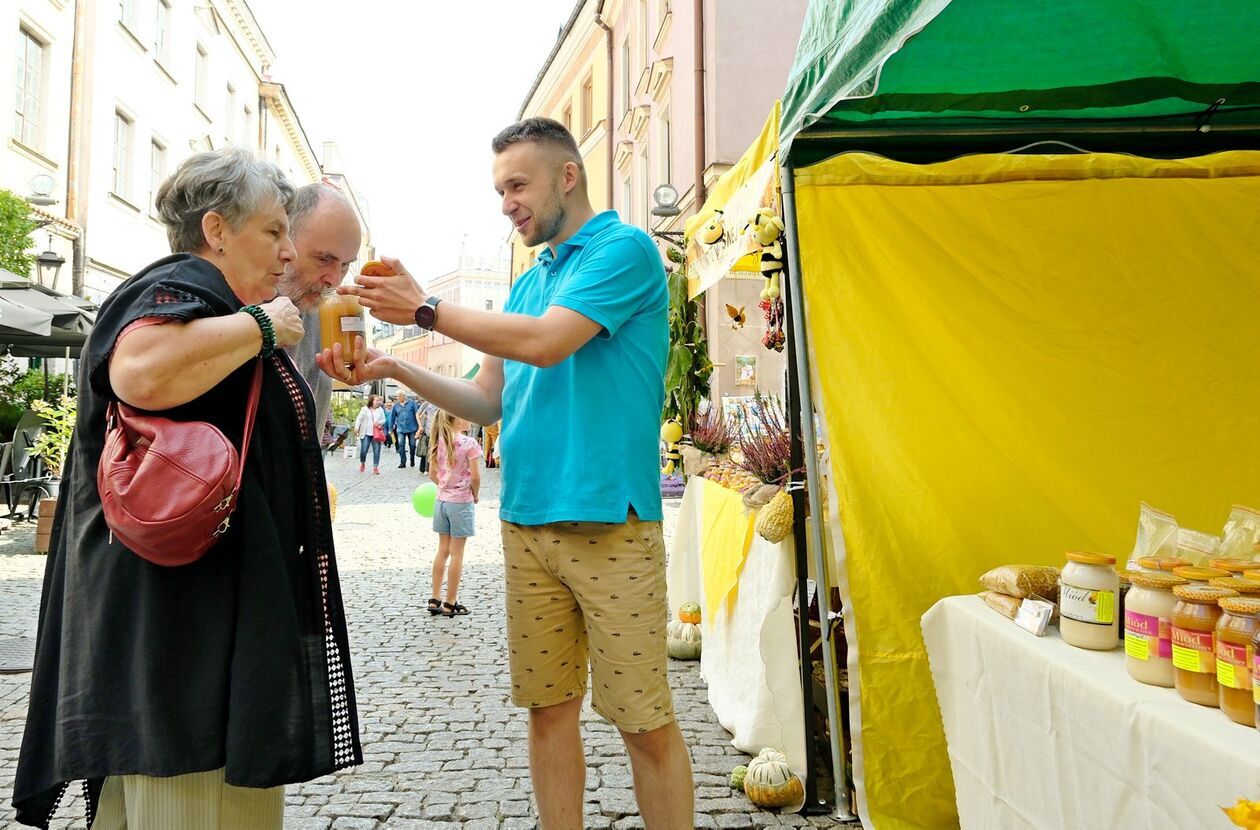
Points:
[(220, 250)]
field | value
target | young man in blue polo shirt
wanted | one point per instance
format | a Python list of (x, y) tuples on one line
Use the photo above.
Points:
[(575, 368)]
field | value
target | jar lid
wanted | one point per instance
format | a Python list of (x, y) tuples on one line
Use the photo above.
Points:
[(1196, 574), (1234, 566), (1158, 580), (1246, 606), (1246, 587), (1162, 563), (1196, 592), (1087, 558)]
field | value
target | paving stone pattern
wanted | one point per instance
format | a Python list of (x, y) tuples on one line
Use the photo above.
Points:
[(443, 746)]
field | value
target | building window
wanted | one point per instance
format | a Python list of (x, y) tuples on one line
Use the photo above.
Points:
[(229, 117), (157, 169), (645, 182), (201, 75), (30, 73), (643, 33), (625, 75), (567, 117), (664, 148), (588, 105), (127, 13), (489, 305), (161, 30), (627, 201), (247, 125), (122, 153)]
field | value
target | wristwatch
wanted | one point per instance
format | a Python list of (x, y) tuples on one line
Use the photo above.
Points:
[(426, 315)]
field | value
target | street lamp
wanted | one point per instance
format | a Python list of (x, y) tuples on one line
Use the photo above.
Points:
[(666, 198), (49, 265)]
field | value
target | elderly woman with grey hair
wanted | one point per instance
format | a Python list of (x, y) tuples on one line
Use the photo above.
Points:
[(186, 697)]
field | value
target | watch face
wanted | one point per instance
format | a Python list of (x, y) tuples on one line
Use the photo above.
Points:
[(425, 316)]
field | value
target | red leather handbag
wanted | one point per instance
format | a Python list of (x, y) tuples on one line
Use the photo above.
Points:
[(169, 487)]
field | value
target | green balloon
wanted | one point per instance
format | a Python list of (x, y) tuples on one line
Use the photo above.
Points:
[(423, 498)]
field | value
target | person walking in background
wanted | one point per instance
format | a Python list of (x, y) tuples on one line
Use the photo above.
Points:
[(424, 425), (370, 427), (490, 438), (403, 414), (454, 469)]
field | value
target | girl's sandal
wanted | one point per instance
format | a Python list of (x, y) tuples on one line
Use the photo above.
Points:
[(455, 610), (435, 607)]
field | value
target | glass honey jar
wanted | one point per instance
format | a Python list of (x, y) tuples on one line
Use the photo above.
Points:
[(1235, 632), (1193, 620)]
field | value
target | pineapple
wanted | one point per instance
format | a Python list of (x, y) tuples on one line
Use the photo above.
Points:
[(774, 521)]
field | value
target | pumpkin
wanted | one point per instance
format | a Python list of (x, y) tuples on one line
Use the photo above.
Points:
[(774, 521), (737, 777), (689, 612), (682, 640), (770, 782)]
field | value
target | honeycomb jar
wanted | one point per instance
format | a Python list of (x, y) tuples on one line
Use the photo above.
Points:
[(1193, 620), (1088, 593), (1242, 586), (1235, 567), (1235, 633), (1148, 628), (1194, 573)]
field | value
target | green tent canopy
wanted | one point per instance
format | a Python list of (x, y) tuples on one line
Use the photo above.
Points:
[(903, 66)]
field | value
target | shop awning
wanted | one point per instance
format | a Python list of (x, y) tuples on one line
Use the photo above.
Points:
[(38, 322)]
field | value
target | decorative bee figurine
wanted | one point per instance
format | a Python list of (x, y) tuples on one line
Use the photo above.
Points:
[(737, 315), (671, 434), (713, 231)]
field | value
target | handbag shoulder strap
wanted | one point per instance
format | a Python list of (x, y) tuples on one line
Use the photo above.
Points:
[(251, 413)]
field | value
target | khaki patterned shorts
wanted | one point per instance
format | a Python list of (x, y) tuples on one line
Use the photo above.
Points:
[(582, 593)]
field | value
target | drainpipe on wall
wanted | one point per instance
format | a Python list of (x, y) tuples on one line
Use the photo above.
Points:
[(608, 40), (77, 160), (701, 192)]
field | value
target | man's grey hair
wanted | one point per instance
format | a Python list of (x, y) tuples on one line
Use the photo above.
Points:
[(232, 182), (307, 198)]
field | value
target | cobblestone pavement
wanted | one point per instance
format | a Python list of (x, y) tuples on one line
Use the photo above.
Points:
[(443, 746)]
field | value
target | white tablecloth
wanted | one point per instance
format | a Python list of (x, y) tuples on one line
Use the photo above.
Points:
[(1044, 735), (748, 652)]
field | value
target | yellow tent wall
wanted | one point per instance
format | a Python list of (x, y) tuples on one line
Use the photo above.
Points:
[(1010, 353)]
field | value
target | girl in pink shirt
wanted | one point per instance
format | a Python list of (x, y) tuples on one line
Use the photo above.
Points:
[(454, 468)]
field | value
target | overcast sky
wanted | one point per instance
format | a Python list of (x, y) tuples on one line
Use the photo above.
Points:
[(412, 93)]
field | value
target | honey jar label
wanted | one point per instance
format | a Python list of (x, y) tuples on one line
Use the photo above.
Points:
[(1146, 637), (1193, 651), (354, 323), (1231, 665), (1087, 606)]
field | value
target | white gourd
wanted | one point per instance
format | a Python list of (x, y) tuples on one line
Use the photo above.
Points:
[(770, 782), (682, 640)]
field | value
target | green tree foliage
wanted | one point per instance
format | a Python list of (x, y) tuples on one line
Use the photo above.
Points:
[(689, 368), (19, 388), (16, 227)]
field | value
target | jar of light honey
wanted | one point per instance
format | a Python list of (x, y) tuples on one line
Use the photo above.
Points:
[(1148, 627), (1235, 653), (1088, 589), (1193, 620), (340, 321)]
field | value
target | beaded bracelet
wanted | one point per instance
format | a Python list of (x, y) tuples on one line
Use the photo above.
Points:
[(264, 323)]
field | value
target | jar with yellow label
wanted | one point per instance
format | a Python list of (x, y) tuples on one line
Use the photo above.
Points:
[(1088, 588), (1193, 621), (1148, 627), (1235, 631), (1255, 675), (1161, 563), (1236, 567), (1194, 573)]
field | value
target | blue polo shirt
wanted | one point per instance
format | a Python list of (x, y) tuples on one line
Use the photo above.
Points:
[(580, 439)]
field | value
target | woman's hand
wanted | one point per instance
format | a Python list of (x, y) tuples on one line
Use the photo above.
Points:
[(286, 320), (369, 364)]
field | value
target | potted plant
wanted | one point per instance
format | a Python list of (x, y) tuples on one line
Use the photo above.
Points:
[(53, 441)]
